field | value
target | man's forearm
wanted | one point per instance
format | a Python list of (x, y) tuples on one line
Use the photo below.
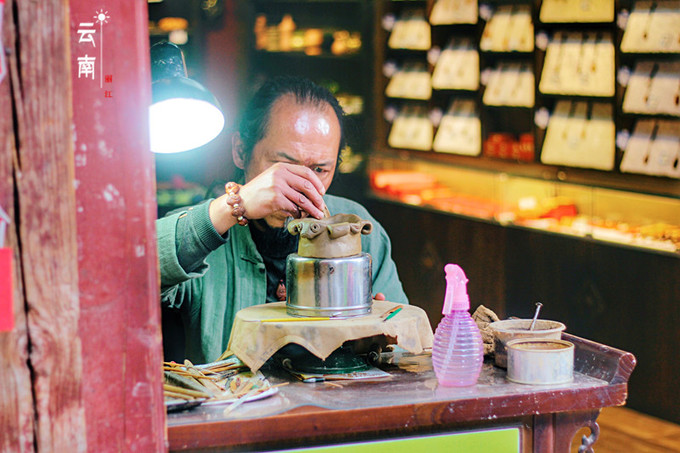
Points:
[(185, 239)]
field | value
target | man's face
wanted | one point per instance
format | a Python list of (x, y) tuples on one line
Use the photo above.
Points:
[(299, 134)]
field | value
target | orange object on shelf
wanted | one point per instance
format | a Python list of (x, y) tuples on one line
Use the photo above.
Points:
[(558, 212), (468, 205), (386, 179), (422, 189), (557, 208), (504, 146)]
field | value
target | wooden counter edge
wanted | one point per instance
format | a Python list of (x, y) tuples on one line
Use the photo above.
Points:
[(600, 361)]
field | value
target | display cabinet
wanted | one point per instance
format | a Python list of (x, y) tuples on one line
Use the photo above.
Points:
[(507, 71), (557, 116), (553, 179)]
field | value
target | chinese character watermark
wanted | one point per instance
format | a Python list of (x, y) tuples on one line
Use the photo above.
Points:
[(87, 65), (87, 34)]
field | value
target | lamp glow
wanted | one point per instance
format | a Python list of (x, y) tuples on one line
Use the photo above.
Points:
[(184, 115), (181, 124)]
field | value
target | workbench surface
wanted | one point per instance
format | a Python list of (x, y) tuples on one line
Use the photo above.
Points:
[(411, 403)]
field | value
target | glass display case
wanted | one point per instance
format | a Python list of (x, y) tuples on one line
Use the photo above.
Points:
[(588, 211)]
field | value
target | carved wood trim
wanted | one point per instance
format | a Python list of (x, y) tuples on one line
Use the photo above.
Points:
[(601, 361), (555, 432)]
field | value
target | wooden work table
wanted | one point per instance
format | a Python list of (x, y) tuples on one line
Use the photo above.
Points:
[(410, 404)]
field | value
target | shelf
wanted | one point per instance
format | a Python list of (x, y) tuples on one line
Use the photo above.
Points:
[(579, 97), (506, 54), (297, 2), (635, 183), (587, 237), (454, 90), (301, 55), (651, 55), (662, 116), (507, 107), (564, 207), (573, 26), (406, 53)]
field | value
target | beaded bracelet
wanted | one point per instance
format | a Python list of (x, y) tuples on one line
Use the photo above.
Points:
[(234, 200)]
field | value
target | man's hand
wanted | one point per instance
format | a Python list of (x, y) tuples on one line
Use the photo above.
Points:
[(379, 296), (281, 191)]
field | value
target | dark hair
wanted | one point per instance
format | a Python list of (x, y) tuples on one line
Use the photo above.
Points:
[(255, 119)]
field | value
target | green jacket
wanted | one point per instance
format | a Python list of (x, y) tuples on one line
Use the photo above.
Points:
[(226, 274)]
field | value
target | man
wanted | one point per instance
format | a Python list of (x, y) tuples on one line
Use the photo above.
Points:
[(229, 253)]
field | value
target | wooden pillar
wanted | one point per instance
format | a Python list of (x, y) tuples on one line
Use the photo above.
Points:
[(80, 370), (116, 212), (16, 400), (40, 364)]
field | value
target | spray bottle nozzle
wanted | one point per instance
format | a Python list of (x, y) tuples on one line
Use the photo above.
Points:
[(456, 289)]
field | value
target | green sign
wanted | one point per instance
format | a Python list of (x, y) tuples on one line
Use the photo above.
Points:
[(496, 441)]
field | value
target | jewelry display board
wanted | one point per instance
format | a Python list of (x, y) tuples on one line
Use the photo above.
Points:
[(649, 91)]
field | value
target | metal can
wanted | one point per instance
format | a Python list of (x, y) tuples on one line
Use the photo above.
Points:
[(540, 361), (333, 287)]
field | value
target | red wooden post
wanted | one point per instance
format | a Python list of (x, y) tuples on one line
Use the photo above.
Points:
[(116, 211)]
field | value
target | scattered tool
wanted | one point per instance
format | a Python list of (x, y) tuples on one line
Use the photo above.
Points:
[(533, 321)]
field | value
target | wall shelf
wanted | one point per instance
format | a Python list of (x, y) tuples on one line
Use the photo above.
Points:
[(513, 120)]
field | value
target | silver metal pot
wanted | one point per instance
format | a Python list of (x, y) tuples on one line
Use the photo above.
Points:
[(333, 287)]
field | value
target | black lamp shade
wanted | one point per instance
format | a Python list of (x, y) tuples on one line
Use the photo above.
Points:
[(183, 114)]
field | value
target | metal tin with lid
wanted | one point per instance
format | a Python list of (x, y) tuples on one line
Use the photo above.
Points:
[(540, 361)]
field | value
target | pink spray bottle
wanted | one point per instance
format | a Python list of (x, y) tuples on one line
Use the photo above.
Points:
[(457, 352)]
